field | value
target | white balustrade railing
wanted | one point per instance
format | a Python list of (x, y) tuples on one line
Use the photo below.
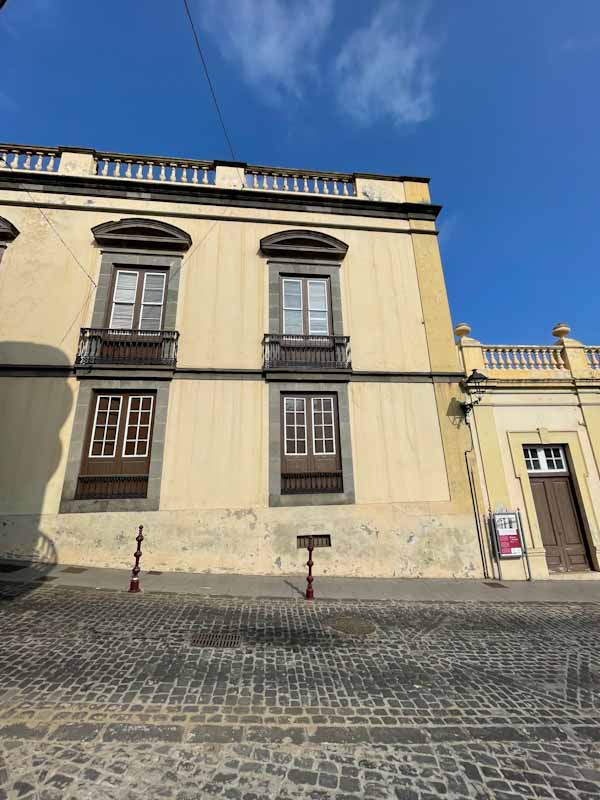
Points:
[(284, 180), (151, 168), (523, 357), (29, 159), (592, 355)]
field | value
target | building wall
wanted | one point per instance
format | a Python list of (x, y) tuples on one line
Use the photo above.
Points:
[(413, 515)]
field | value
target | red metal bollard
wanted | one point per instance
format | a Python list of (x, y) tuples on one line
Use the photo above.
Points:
[(309, 579), (134, 583)]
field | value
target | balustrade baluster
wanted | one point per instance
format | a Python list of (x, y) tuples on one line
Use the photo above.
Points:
[(14, 164), (295, 183), (128, 169), (325, 185), (117, 168), (139, 173), (345, 187), (316, 189), (265, 184), (204, 174), (285, 183), (150, 171), (305, 186), (275, 183), (335, 186), (162, 176), (194, 174), (173, 177), (104, 168), (39, 163), (27, 162), (184, 177)]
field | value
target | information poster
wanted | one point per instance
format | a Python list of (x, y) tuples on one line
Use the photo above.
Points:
[(508, 535)]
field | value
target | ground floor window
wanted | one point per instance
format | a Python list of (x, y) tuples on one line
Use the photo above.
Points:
[(116, 452), (310, 450)]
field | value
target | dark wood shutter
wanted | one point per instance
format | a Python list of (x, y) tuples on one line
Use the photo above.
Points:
[(118, 444), (310, 448)]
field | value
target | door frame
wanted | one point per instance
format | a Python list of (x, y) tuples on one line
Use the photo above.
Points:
[(578, 473)]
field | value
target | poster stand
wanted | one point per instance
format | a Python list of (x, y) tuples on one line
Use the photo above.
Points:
[(508, 539)]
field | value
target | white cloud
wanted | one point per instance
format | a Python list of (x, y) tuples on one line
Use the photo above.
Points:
[(275, 41), (385, 68)]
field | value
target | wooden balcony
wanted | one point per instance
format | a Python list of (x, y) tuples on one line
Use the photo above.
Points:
[(284, 351), (311, 482), (109, 487), (127, 347)]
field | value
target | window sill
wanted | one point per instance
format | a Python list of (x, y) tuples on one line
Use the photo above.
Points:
[(317, 499), (103, 505)]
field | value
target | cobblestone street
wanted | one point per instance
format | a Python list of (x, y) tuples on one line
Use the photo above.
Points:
[(109, 695)]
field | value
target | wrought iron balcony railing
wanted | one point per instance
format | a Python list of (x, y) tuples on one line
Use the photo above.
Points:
[(109, 487), (122, 346), (311, 482), (282, 350)]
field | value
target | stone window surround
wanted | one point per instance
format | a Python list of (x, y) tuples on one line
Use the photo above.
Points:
[(297, 267), (340, 389), (8, 233), (87, 389), (113, 259)]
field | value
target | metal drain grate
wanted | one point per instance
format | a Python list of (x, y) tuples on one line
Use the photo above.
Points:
[(495, 585), (154, 572), (11, 567), (216, 640), (75, 570)]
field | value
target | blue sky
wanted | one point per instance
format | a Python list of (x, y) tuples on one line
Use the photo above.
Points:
[(496, 101)]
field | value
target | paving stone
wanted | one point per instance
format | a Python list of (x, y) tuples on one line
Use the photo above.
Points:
[(442, 700)]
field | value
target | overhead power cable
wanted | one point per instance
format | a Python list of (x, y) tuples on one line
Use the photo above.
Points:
[(210, 84), (53, 228)]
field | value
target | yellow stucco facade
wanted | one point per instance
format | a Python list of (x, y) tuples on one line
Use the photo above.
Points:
[(409, 470)]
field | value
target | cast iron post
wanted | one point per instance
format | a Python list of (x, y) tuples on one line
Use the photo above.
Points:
[(309, 579), (134, 583)]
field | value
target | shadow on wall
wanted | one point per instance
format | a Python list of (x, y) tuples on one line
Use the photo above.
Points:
[(35, 402)]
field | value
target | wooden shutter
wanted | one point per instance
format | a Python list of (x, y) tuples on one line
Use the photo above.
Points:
[(118, 445), (124, 297), (310, 452), (152, 301), (305, 306)]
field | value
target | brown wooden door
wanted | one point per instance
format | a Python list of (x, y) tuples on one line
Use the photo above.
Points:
[(560, 523)]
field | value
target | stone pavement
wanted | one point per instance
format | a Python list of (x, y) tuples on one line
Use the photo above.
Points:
[(110, 695), (558, 589)]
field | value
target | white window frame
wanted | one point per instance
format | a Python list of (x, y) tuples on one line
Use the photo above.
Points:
[(109, 397), (543, 461), (285, 426), (312, 403), (301, 309), (139, 397), (137, 277), (319, 310), (162, 301)]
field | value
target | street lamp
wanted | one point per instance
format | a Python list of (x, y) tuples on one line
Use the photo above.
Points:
[(474, 386)]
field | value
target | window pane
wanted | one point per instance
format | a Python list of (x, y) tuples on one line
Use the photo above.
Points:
[(137, 438), (318, 323), (125, 287), (122, 316), (295, 430), (151, 318), (323, 426), (292, 294), (105, 426), (154, 285), (317, 296), (292, 322)]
